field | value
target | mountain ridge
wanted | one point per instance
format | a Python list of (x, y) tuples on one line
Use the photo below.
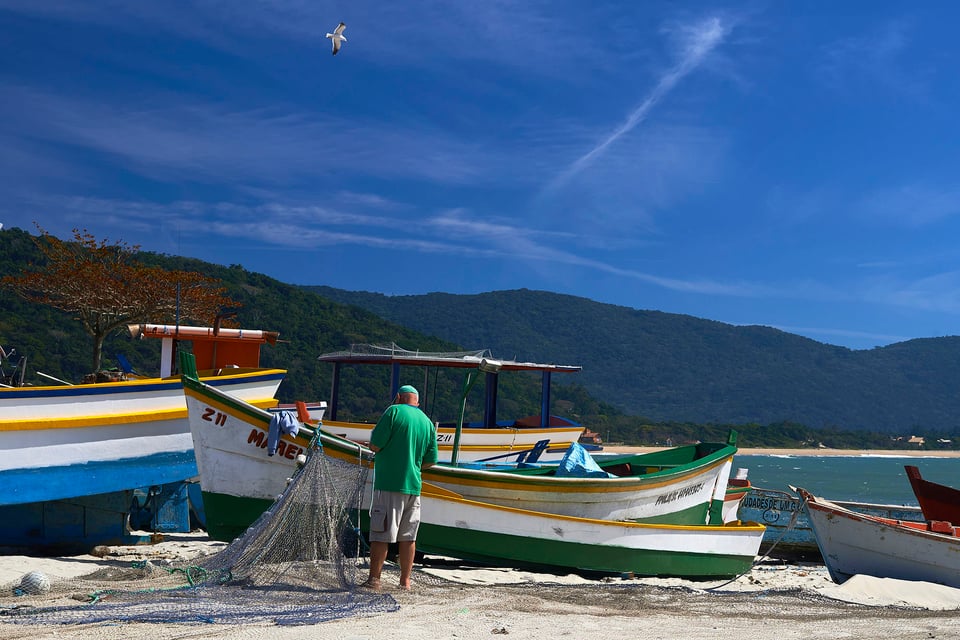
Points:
[(665, 366)]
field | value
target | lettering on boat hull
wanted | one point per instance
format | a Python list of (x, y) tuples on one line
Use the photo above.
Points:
[(673, 496)]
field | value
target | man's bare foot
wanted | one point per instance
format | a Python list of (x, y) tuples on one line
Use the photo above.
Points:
[(372, 583), (405, 587)]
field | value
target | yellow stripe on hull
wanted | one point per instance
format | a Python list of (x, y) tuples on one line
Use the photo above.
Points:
[(131, 417)]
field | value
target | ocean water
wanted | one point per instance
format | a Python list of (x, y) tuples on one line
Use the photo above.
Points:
[(863, 478)]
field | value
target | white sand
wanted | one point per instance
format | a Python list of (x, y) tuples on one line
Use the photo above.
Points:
[(772, 601)]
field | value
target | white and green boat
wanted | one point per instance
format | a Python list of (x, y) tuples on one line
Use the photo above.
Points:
[(497, 535), (678, 486)]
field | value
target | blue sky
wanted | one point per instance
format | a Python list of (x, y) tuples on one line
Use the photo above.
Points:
[(783, 164)]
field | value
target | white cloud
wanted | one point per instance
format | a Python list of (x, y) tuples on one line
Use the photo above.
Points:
[(876, 58), (198, 141), (698, 42), (910, 205)]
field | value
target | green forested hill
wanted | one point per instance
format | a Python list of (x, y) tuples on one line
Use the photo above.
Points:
[(675, 367)]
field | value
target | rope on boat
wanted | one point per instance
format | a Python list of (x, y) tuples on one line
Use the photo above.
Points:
[(765, 556)]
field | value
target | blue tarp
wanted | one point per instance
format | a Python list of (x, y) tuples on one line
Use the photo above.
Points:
[(578, 463)]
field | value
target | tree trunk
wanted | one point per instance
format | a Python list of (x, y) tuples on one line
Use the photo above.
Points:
[(97, 351)]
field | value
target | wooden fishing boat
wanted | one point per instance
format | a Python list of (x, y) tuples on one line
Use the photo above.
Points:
[(486, 439), (937, 501), (789, 534), (853, 543), (455, 527), (738, 487), (683, 485), (71, 455)]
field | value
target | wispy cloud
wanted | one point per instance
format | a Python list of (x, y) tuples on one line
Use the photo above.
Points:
[(526, 245), (878, 58), (859, 336), (937, 292), (203, 141), (698, 42), (910, 205), (503, 32), (306, 227)]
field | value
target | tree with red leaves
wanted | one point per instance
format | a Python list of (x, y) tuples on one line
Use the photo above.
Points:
[(108, 288)]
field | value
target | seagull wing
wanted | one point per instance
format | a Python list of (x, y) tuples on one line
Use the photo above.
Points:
[(340, 28), (336, 45)]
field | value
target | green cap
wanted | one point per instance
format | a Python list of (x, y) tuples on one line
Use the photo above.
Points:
[(408, 389)]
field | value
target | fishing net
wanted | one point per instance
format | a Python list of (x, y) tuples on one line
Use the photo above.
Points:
[(299, 563)]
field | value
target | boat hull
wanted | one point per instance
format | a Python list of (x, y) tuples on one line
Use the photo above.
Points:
[(853, 543), (230, 438), (492, 534), (937, 501), (65, 442)]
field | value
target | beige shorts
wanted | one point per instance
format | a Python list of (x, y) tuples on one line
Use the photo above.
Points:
[(394, 517)]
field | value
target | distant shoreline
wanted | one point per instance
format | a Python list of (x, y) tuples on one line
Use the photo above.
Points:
[(807, 452)]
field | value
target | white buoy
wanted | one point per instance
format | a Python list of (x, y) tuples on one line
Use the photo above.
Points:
[(35, 583)]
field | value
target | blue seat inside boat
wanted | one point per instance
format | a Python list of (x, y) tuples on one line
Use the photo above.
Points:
[(531, 456)]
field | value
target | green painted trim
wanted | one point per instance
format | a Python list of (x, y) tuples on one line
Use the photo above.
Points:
[(229, 516), (716, 512)]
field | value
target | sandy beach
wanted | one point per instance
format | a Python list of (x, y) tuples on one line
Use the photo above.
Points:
[(774, 600)]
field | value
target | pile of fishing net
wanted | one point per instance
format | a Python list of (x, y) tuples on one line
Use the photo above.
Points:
[(299, 563)]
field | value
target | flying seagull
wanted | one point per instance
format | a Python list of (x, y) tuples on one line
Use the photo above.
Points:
[(337, 37)]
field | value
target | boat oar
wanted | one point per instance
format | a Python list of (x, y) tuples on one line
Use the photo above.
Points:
[(501, 456)]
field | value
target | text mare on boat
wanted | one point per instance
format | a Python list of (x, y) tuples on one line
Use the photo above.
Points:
[(680, 486), (854, 543), (486, 439), (77, 462)]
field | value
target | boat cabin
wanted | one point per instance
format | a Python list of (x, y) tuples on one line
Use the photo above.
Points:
[(479, 361)]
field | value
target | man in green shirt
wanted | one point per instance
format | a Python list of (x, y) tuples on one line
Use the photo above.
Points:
[(405, 442)]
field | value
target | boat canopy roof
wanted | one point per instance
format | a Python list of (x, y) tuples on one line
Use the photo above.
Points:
[(393, 355), (218, 334)]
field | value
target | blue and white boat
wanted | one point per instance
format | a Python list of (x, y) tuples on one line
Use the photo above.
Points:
[(75, 459)]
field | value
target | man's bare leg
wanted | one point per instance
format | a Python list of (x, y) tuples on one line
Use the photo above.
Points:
[(408, 551), (378, 555)]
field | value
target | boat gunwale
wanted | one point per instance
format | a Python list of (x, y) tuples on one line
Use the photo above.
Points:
[(831, 509), (133, 385)]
